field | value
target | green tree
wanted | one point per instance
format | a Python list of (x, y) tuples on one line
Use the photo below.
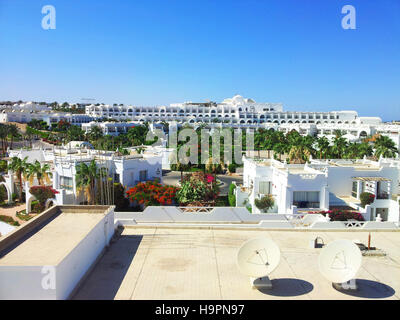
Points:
[(339, 147), (75, 133), (231, 195), (13, 133), (86, 176), (137, 135), (41, 172), (385, 147), (95, 133), (322, 145), (19, 167), (299, 154)]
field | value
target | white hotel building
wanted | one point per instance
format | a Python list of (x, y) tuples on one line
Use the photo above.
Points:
[(233, 111), (26, 112), (236, 112), (239, 112)]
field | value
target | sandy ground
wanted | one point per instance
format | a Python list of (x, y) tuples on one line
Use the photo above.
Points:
[(12, 212)]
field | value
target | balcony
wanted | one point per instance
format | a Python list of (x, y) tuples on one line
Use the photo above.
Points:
[(382, 196), (306, 204)]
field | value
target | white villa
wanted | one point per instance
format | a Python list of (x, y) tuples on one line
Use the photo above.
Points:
[(323, 184), (128, 170)]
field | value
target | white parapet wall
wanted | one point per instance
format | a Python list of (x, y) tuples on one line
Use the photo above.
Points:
[(236, 217), (197, 214)]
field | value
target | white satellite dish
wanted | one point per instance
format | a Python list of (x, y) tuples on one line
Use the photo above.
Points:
[(339, 261), (257, 258)]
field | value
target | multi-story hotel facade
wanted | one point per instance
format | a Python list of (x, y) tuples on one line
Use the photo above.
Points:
[(233, 111)]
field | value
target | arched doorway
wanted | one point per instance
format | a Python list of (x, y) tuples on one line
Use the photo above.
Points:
[(6, 192), (50, 203)]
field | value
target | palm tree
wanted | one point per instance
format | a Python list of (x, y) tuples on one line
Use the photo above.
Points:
[(365, 149), (322, 146), (299, 154), (13, 132), (41, 172), (385, 147), (4, 130), (95, 133), (338, 133), (280, 148), (75, 133), (339, 147), (86, 176), (19, 167)]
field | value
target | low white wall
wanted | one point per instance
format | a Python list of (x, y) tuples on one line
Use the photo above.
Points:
[(379, 225), (71, 270), (25, 282), (217, 214)]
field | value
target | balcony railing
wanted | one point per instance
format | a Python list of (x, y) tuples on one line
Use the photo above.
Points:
[(382, 196), (305, 204)]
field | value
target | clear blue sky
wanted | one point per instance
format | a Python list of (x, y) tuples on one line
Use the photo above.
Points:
[(166, 51)]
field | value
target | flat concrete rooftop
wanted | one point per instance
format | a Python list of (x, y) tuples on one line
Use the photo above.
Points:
[(50, 237), (173, 263)]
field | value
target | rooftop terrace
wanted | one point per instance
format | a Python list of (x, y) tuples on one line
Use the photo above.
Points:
[(172, 263)]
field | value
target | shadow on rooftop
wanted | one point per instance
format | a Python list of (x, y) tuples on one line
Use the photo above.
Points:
[(105, 279), (288, 287), (370, 289)]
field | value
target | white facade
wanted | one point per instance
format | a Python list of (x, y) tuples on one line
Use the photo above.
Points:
[(110, 128), (128, 170), (320, 185), (236, 111), (48, 117)]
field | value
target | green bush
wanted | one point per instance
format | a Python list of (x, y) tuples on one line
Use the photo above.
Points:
[(222, 201), (23, 216), (232, 167), (265, 203), (231, 195), (3, 166), (9, 220), (197, 187), (366, 198), (3, 194)]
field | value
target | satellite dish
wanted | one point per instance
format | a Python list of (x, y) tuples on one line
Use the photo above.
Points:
[(258, 257), (339, 261)]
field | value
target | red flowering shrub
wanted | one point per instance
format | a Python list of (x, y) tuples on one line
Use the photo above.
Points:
[(152, 193), (198, 187), (341, 215), (366, 198), (42, 193)]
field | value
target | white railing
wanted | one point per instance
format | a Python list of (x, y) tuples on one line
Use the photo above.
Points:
[(196, 209), (354, 224)]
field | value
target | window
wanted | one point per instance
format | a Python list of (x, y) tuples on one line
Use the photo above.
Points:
[(116, 177), (264, 187), (143, 175), (66, 183), (306, 199), (354, 189)]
